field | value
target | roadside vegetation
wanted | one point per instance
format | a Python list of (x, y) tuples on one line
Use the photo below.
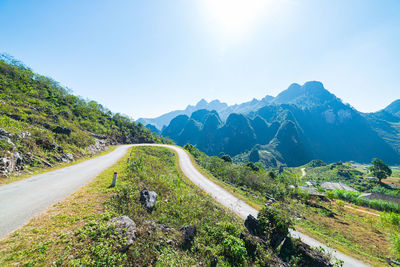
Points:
[(251, 179), (79, 230), (354, 197), (351, 228)]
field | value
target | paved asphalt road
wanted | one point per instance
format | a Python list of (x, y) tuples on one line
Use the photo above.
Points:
[(22, 200)]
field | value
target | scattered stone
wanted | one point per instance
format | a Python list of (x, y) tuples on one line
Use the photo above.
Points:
[(67, 157), (98, 146), (62, 130), (12, 160), (4, 133), (252, 225), (23, 135), (148, 198), (158, 227), (45, 162), (126, 228), (189, 233)]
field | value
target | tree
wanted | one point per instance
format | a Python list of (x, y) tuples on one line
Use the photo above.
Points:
[(379, 169), (227, 158)]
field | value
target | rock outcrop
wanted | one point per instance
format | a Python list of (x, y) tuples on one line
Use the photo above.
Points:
[(148, 199), (10, 159), (126, 228), (189, 233)]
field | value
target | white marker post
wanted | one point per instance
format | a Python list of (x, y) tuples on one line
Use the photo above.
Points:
[(114, 181)]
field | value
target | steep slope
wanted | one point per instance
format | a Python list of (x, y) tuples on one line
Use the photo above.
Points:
[(165, 119), (310, 94), (387, 124), (303, 123), (237, 135), (42, 124), (394, 108)]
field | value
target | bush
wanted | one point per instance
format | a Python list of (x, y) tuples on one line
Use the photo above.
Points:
[(274, 224), (234, 250)]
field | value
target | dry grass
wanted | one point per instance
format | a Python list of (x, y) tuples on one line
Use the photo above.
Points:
[(351, 231), (390, 180)]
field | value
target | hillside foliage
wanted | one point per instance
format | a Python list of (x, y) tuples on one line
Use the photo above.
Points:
[(44, 119)]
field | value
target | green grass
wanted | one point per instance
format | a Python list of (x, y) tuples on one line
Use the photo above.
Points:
[(353, 197), (77, 231)]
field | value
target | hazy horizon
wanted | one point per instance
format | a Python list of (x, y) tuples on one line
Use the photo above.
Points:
[(145, 60)]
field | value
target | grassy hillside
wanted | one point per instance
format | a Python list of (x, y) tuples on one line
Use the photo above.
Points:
[(43, 123), (349, 174)]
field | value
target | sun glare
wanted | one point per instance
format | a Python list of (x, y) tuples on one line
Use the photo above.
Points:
[(233, 18)]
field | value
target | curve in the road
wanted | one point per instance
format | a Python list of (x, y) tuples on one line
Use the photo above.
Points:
[(22, 200), (240, 207)]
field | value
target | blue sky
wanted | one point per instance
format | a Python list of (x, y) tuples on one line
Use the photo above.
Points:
[(145, 58)]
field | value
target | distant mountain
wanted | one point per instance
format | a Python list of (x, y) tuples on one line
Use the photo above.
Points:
[(165, 119), (300, 124), (222, 108), (394, 108), (387, 124)]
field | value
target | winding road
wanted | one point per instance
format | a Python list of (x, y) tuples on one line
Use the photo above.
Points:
[(22, 200)]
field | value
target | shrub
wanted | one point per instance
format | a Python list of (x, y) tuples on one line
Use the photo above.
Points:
[(274, 224), (234, 250)]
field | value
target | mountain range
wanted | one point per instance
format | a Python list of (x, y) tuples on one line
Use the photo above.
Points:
[(302, 123)]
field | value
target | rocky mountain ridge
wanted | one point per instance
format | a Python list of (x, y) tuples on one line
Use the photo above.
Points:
[(300, 124)]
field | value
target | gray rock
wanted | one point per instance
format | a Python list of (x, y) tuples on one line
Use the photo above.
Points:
[(67, 157), (4, 133), (5, 167), (308, 255), (11, 163), (189, 233), (126, 228), (252, 225), (148, 199), (19, 161), (23, 135), (98, 146)]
